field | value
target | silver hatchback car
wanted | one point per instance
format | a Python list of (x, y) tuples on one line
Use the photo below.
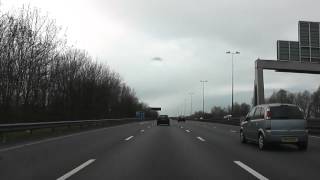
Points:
[(275, 124)]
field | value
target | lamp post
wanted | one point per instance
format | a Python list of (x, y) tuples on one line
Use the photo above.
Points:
[(184, 107), (191, 94), (232, 54), (203, 81)]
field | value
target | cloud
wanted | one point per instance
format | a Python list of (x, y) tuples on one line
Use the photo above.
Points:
[(157, 59)]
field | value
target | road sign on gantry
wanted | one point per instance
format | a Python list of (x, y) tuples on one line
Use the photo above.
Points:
[(140, 115), (307, 49), (156, 108), (309, 41), (288, 50)]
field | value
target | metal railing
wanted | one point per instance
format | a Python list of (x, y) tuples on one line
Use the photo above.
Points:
[(7, 128), (231, 121), (313, 124)]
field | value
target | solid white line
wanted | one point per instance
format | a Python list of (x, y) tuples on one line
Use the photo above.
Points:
[(200, 138), (128, 138), (57, 138), (72, 172), (251, 171), (188, 130), (315, 137)]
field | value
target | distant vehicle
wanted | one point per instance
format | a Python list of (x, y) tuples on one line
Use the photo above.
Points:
[(181, 119), (275, 124), (228, 117), (163, 119)]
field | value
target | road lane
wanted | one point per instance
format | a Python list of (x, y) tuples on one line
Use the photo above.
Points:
[(75, 170), (160, 152), (251, 171), (201, 139), (164, 152), (52, 159), (279, 162), (128, 138)]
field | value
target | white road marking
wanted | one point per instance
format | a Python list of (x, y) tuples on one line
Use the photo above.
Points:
[(315, 137), (142, 130), (181, 127), (188, 130), (250, 170), (200, 138), (128, 138), (72, 172), (149, 127), (57, 138), (233, 131)]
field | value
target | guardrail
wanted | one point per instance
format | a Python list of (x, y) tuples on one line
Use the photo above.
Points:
[(313, 124), (231, 121), (7, 128)]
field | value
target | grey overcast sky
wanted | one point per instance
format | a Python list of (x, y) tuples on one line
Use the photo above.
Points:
[(164, 48)]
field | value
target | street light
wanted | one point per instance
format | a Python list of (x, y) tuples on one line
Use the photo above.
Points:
[(191, 94), (232, 54), (203, 81), (185, 107)]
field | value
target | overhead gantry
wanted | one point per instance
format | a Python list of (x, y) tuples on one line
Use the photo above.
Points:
[(279, 66)]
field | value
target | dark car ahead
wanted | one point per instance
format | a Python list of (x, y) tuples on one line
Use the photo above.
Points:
[(181, 119), (163, 119)]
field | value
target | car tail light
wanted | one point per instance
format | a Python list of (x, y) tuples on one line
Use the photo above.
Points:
[(268, 117), (268, 114)]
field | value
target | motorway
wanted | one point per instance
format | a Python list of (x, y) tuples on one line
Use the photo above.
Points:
[(191, 150)]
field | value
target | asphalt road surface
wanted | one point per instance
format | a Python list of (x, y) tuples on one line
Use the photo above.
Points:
[(191, 150)]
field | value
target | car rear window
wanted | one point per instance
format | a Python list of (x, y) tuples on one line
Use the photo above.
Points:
[(286, 112), (163, 117)]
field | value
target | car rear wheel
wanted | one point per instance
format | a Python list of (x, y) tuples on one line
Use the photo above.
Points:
[(261, 142), (242, 137), (303, 146)]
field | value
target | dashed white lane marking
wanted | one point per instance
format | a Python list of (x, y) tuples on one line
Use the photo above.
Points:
[(128, 138), (149, 127), (75, 170), (181, 127), (315, 137), (188, 130), (233, 131), (250, 170), (200, 138), (142, 130)]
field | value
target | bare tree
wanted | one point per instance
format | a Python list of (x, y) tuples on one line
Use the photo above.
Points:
[(43, 79)]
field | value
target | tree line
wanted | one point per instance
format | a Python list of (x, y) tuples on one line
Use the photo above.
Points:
[(218, 112), (307, 101), (44, 79)]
